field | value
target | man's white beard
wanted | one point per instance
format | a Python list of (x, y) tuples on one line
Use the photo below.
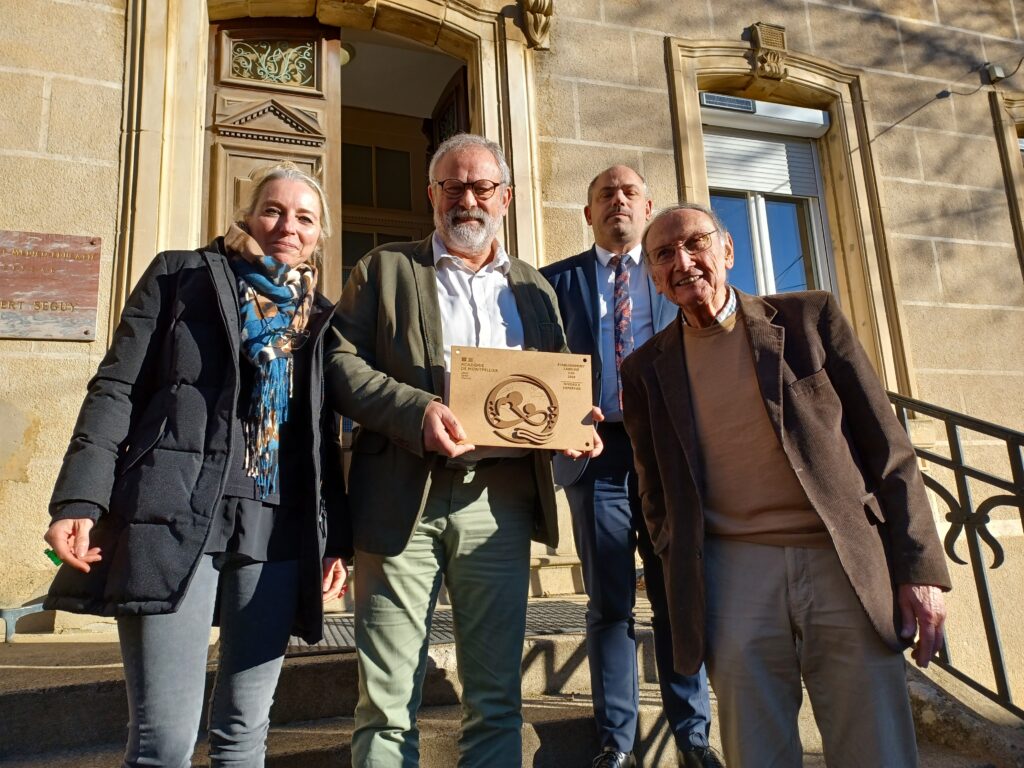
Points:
[(462, 229)]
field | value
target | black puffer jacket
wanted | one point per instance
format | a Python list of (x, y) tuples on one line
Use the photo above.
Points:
[(153, 446)]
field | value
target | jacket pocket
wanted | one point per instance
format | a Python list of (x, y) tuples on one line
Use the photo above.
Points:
[(876, 516), (143, 445), (809, 384), (660, 544), (366, 441)]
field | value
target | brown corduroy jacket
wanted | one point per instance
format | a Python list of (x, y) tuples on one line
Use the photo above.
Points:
[(840, 435)]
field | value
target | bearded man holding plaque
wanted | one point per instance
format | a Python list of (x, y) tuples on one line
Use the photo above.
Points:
[(424, 502)]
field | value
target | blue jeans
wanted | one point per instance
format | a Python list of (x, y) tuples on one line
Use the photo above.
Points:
[(165, 660), (609, 530)]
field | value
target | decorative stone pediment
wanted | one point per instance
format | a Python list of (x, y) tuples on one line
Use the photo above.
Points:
[(268, 121)]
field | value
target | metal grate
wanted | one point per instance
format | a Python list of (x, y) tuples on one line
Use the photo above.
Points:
[(548, 617)]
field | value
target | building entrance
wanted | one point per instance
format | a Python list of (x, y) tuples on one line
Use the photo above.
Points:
[(360, 110)]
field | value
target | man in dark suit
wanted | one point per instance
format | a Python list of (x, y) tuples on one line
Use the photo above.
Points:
[(424, 502), (609, 306), (786, 503)]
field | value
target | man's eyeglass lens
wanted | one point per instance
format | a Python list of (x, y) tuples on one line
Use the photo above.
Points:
[(482, 188), (696, 244)]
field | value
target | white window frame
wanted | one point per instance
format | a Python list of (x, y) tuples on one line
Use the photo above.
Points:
[(822, 261)]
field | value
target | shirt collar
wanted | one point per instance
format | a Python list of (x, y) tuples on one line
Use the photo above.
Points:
[(604, 256), (726, 312), (443, 259)]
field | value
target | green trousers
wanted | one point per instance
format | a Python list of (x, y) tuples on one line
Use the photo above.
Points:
[(475, 532)]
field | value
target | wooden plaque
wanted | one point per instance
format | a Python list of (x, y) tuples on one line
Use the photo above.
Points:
[(49, 286), (516, 399)]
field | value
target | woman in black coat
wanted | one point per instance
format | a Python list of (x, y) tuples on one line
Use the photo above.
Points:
[(204, 482)]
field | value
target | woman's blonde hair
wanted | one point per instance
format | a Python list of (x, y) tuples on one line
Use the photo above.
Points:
[(263, 175)]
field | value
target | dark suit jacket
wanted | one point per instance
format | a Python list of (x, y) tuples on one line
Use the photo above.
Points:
[(838, 431), (385, 363), (575, 282)]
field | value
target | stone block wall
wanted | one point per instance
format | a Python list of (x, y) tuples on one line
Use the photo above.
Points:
[(603, 97), (603, 94), (61, 75)]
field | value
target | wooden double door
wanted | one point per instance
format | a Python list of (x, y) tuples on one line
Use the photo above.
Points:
[(275, 93)]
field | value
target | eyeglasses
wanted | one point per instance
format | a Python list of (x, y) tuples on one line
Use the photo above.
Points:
[(454, 189), (696, 244)]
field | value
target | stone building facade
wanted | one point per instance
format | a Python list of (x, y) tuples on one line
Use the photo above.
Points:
[(135, 122)]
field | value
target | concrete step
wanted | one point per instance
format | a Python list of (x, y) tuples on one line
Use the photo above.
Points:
[(87, 683), (558, 733), (70, 710)]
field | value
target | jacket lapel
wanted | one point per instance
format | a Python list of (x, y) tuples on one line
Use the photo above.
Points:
[(766, 342), (226, 288), (670, 369), (586, 279), (425, 275), (532, 333)]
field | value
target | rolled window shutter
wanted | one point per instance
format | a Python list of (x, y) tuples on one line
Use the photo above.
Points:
[(774, 165)]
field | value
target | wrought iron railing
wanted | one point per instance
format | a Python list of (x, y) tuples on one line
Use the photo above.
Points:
[(970, 520)]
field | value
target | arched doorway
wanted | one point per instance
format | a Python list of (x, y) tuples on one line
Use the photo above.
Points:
[(359, 109), (165, 194)]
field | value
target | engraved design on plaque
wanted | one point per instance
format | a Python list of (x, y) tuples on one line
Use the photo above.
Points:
[(522, 409), (281, 62)]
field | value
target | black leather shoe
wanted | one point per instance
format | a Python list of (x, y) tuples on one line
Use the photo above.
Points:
[(611, 758), (699, 757)]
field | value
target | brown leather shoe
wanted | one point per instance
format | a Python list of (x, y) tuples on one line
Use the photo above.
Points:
[(611, 758), (700, 757)]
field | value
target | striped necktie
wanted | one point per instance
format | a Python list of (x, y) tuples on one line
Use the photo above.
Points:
[(623, 316)]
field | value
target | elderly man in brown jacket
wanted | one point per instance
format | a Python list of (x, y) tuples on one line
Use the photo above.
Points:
[(786, 503)]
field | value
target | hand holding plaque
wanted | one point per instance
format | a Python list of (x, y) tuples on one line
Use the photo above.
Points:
[(522, 399)]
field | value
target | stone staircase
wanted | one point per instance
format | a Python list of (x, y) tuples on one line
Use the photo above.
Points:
[(63, 704)]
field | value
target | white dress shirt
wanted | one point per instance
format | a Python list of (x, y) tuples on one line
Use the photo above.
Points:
[(478, 309), (642, 319)]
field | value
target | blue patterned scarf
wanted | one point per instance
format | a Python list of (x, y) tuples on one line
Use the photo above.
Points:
[(274, 306)]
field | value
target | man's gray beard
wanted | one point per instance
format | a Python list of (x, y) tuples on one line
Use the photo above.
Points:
[(467, 235)]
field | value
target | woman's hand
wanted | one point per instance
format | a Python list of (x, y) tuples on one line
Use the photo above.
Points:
[(335, 578), (70, 540)]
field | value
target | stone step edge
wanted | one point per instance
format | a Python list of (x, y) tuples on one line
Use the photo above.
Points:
[(557, 730)]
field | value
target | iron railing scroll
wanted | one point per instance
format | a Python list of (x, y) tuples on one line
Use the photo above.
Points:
[(969, 520)]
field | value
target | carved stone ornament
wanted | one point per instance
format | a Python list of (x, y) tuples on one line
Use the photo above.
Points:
[(272, 121), (536, 15), (769, 44)]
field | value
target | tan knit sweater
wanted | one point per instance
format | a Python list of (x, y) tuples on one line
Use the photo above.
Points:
[(750, 490)]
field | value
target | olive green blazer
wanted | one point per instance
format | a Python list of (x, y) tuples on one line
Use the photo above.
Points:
[(384, 362)]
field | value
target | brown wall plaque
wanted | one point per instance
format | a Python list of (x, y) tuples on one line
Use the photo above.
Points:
[(49, 286)]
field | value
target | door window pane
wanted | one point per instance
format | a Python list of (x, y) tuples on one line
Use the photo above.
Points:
[(357, 175), (393, 179), (790, 244), (734, 212), (354, 245)]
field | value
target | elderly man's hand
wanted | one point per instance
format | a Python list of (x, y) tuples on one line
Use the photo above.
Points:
[(923, 611), (442, 432), (594, 452)]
